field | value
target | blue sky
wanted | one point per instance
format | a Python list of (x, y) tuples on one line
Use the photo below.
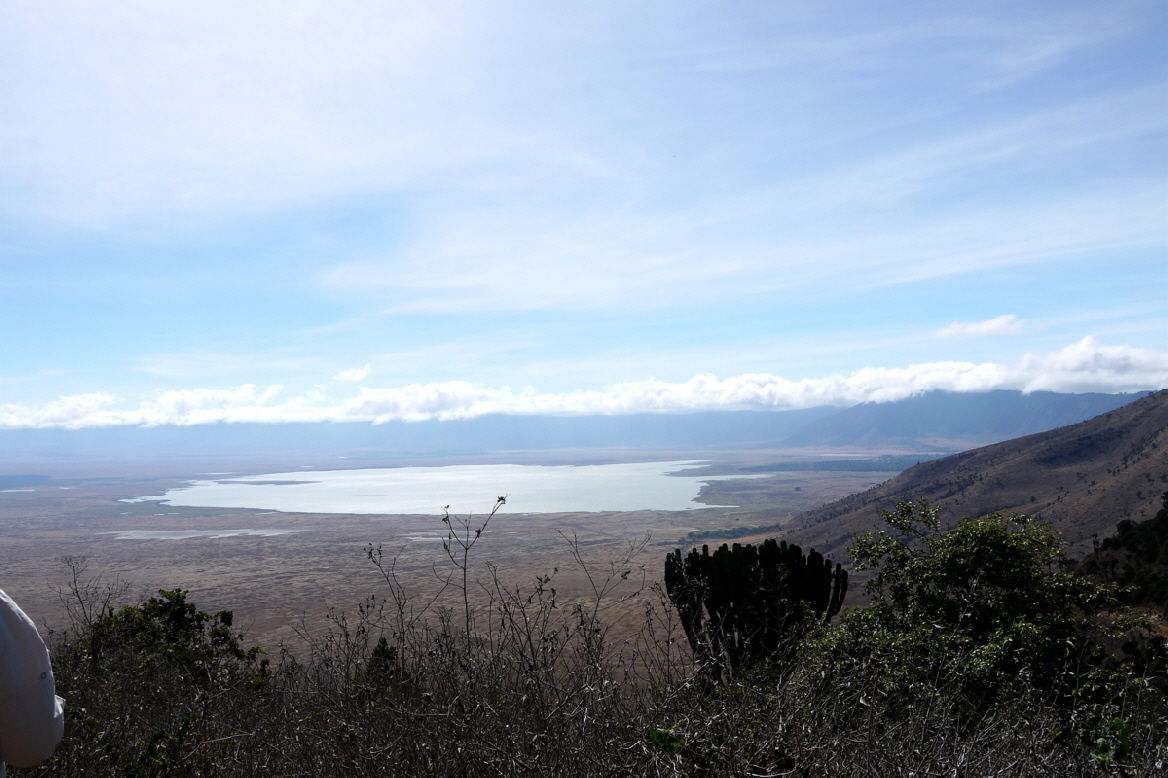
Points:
[(372, 210)]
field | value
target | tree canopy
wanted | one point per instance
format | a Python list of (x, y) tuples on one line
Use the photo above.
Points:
[(1135, 558)]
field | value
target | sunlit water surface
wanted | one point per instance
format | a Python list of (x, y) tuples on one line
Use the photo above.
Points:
[(184, 534), (464, 488)]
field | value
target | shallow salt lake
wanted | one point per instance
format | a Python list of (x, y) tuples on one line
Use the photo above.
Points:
[(183, 534), (465, 488)]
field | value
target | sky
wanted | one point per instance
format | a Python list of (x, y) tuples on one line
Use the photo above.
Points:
[(366, 211)]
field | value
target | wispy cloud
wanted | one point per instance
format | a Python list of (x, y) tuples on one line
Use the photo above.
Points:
[(589, 193), (230, 109), (1082, 366), (356, 374), (192, 364), (999, 325)]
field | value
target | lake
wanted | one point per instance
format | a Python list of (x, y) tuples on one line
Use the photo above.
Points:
[(635, 486)]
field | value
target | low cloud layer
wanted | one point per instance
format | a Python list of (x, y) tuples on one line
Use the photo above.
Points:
[(1085, 366)]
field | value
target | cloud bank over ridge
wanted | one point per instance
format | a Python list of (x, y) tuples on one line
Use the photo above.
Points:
[(1084, 366)]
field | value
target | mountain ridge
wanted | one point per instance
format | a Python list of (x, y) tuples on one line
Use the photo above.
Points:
[(1084, 478), (937, 422), (954, 421)]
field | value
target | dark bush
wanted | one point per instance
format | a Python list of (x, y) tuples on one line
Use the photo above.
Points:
[(1135, 558), (745, 603)]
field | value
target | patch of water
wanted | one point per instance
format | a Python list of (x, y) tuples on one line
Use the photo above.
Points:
[(184, 534), (463, 488)]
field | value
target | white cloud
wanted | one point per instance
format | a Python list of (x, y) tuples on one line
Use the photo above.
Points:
[(74, 411), (1079, 367), (1087, 366), (999, 325), (356, 374)]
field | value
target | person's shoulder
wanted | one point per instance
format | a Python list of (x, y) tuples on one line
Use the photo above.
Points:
[(17, 631), (9, 609)]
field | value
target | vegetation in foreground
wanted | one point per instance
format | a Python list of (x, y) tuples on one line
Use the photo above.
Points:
[(978, 656), (1135, 558)]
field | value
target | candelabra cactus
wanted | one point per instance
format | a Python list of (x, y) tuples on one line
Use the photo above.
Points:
[(749, 603)]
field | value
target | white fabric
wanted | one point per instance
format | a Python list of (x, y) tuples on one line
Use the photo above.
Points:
[(32, 716)]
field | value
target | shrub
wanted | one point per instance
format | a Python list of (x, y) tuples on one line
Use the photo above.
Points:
[(985, 603), (1136, 558), (168, 630)]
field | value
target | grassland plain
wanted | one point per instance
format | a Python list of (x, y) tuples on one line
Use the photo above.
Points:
[(529, 687), (272, 581)]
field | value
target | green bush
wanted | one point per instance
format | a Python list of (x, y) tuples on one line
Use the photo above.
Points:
[(168, 633), (1136, 558), (985, 604)]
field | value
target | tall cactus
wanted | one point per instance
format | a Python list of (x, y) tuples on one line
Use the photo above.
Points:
[(746, 603)]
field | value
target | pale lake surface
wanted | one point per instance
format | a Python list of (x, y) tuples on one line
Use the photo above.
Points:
[(183, 534), (465, 488)]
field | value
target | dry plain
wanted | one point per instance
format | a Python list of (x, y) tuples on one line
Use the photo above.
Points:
[(279, 584)]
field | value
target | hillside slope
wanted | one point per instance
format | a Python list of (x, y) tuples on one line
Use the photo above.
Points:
[(1084, 478)]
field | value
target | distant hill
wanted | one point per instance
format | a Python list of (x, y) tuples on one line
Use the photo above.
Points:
[(1085, 478), (362, 440), (937, 422), (951, 421), (21, 481)]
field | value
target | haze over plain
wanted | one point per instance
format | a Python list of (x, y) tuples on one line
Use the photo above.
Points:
[(362, 212)]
